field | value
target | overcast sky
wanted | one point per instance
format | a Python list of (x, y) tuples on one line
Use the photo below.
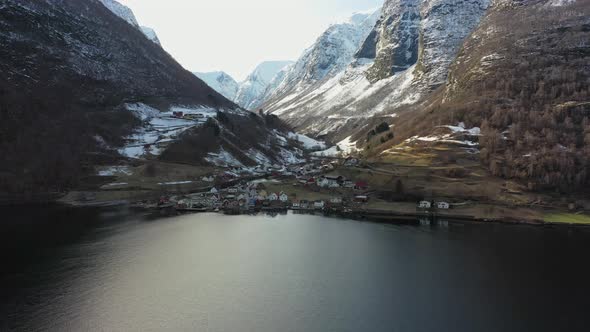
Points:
[(236, 35)]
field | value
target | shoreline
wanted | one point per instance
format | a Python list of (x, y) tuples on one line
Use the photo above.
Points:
[(375, 215), (396, 211)]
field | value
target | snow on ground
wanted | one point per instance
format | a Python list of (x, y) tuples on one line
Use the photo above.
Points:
[(142, 111), (114, 185), (343, 148), (264, 181), (159, 128), (223, 159), (115, 170), (173, 183), (460, 128), (308, 142), (441, 139), (289, 157), (559, 3)]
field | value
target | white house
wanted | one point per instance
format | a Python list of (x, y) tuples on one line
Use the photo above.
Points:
[(319, 204), (328, 182), (443, 205), (214, 190), (273, 197), (296, 206), (283, 197), (425, 205), (208, 179), (233, 190), (335, 200), (351, 162)]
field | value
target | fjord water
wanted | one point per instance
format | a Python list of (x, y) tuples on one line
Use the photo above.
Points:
[(87, 270)]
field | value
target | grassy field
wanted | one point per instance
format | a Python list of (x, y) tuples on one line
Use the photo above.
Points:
[(568, 218)]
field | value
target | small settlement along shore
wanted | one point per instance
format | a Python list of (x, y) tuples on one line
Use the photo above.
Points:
[(315, 187)]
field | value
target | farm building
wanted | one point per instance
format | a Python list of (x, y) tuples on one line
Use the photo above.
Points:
[(424, 205), (361, 185)]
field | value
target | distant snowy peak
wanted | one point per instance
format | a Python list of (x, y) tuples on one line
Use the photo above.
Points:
[(267, 70), (126, 14), (329, 56), (253, 88), (122, 11), (220, 82), (150, 34)]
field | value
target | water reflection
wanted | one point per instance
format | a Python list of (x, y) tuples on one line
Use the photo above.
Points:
[(115, 270)]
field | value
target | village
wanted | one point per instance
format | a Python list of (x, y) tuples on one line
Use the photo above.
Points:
[(310, 187)]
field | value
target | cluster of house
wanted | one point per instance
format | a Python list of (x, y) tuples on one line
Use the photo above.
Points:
[(334, 202), (333, 182), (426, 205), (188, 116), (245, 196)]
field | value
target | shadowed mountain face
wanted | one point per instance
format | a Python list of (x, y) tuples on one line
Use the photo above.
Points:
[(523, 77), (66, 69)]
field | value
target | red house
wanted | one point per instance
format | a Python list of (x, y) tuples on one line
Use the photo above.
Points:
[(361, 185)]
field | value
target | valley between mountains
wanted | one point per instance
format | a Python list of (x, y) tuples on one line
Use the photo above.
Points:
[(483, 104)]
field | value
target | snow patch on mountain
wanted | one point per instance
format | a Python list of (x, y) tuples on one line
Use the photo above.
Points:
[(308, 142), (150, 34), (122, 11), (559, 3), (343, 148)]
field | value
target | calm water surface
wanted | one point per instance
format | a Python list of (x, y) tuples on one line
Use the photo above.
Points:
[(83, 270)]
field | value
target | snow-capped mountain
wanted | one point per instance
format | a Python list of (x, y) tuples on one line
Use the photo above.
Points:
[(401, 59), (127, 14), (253, 87), (332, 52), (122, 11), (221, 82)]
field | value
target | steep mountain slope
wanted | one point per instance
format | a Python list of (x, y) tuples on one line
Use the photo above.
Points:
[(523, 77), (401, 61), (77, 82), (221, 82), (253, 87), (329, 56), (127, 14)]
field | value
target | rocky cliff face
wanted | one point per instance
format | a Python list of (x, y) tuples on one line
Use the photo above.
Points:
[(401, 61), (395, 40)]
